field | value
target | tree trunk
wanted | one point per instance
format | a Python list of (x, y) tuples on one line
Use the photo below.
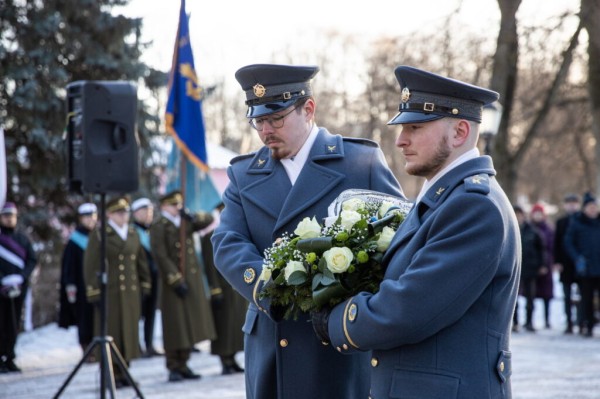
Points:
[(504, 81), (590, 19)]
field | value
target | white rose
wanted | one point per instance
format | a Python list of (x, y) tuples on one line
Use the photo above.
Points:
[(385, 238), (383, 208), (353, 204), (338, 259), (265, 274), (349, 218), (291, 267), (308, 228)]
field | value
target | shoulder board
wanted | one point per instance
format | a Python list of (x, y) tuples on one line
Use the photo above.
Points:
[(240, 157), (478, 184), (360, 140)]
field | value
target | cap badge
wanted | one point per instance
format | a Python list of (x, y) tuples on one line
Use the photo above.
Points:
[(405, 94), (259, 90)]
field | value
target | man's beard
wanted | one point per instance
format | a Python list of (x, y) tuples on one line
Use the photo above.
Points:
[(430, 168)]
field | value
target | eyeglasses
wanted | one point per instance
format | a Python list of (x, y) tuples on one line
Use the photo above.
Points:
[(275, 122)]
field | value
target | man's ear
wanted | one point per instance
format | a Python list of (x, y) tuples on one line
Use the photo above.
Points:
[(462, 132)]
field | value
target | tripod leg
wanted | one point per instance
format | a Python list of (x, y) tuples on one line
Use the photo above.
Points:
[(87, 353), (107, 376), (122, 364)]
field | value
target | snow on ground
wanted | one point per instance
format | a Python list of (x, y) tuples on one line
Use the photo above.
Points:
[(546, 365)]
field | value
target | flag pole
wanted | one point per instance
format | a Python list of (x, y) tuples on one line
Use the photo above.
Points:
[(182, 225)]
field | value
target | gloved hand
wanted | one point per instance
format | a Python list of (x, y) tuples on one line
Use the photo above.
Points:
[(181, 290), (71, 290), (186, 214), (320, 322), (580, 266), (11, 285), (216, 298)]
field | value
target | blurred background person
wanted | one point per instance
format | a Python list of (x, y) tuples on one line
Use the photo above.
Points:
[(185, 308), (128, 275), (229, 311), (544, 282), (17, 261), (143, 216), (532, 264), (563, 263), (74, 307), (582, 242)]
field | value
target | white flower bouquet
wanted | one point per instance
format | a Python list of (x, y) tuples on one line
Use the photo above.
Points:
[(324, 264)]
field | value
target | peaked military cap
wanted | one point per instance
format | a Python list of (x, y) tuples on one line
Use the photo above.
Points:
[(87, 208), (271, 88), (172, 198), (117, 204), (140, 203), (427, 96)]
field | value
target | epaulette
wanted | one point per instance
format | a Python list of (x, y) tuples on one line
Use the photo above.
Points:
[(478, 184), (240, 157), (360, 140)]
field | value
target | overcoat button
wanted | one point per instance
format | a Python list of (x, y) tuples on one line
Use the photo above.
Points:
[(374, 362), (283, 343)]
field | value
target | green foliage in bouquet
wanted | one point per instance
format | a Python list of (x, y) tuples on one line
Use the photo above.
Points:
[(322, 265)]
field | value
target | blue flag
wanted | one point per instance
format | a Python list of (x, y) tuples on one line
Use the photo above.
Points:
[(185, 123)]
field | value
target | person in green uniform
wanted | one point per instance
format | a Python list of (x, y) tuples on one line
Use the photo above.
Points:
[(185, 308), (128, 274), (229, 311)]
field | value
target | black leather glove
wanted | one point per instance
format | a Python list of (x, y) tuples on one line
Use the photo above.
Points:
[(181, 290), (185, 214), (320, 322), (216, 300)]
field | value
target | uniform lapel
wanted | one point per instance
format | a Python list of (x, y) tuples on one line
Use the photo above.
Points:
[(272, 178), (315, 181)]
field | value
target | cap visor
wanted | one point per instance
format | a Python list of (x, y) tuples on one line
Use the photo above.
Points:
[(413, 117), (256, 111)]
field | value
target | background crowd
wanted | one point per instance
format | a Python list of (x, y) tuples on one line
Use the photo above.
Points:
[(149, 272)]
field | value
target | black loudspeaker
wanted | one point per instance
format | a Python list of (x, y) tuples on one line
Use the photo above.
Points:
[(102, 143)]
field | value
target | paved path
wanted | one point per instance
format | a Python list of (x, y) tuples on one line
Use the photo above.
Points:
[(547, 365)]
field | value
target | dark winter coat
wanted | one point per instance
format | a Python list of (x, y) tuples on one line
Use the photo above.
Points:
[(582, 241)]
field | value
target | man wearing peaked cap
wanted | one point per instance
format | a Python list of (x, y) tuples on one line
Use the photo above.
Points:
[(74, 307), (185, 308), (142, 211), (460, 242), (298, 172), (128, 281)]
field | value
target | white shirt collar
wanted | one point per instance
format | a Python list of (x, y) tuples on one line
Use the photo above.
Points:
[(121, 231), (293, 167), (176, 220), (467, 156)]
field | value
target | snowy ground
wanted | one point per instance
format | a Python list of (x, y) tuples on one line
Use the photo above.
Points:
[(547, 365)]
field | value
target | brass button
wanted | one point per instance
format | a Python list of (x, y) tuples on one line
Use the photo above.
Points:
[(188, 241), (121, 267), (122, 287), (190, 251), (133, 287), (177, 244), (345, 347), (338, 348), (133, 257), (501, 367), (374, 362), (121, 277), (283, 343)]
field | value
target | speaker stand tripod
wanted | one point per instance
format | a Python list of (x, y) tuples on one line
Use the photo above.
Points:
[(104, 341)]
